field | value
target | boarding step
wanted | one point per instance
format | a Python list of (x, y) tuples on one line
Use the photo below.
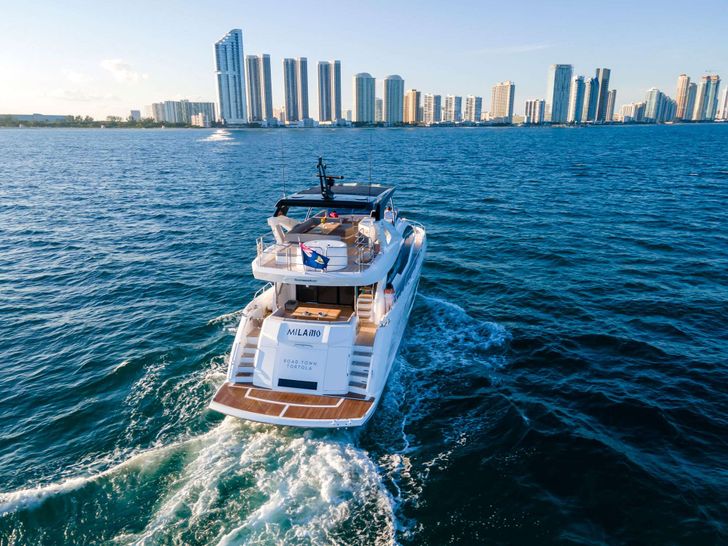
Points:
[(358, 374), (244, 377), (361, 359), (251, 341), (363, 349), (357, 387)]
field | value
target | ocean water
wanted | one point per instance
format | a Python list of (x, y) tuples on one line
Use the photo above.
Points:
[(563, 378)]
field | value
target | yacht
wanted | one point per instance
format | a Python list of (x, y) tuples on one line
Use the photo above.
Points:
[(316, 344)]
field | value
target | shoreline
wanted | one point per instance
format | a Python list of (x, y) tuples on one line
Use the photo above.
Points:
[(37, 125)]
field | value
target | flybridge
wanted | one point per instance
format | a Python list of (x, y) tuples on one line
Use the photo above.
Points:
[(358, 196)]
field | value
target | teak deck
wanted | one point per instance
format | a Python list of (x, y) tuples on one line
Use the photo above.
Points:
[(291, 405)]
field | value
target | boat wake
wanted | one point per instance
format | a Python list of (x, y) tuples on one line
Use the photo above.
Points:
[(241, 482), (221, 135)]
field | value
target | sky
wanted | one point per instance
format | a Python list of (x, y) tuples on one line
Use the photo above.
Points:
[(102, 58)]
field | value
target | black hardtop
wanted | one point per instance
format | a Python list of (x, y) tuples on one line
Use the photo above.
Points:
[(353, 195)]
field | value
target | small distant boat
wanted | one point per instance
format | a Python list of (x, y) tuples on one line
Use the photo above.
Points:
[(315, 346)]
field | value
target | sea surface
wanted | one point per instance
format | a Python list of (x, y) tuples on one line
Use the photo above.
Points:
[(563, 379)]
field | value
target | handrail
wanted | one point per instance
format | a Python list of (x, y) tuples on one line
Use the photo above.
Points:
[(360, 252)]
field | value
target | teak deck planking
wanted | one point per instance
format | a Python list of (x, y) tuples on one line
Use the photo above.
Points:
[(291, 405)]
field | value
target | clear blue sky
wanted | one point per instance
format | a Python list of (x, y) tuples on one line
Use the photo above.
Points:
[(104, 57)]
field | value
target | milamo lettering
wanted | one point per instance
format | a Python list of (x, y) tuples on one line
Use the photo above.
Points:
[(304, 332)]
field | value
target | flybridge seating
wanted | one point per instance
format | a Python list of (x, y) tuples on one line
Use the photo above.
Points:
[(341, 223)]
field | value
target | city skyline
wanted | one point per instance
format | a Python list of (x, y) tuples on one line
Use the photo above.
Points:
[(73, 67)]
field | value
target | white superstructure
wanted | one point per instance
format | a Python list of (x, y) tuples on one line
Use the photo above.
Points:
[(316, 344)]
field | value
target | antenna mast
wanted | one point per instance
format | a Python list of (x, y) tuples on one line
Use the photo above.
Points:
[(326, 181)]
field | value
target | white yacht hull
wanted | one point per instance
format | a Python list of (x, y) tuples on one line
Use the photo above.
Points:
[(246, 398)]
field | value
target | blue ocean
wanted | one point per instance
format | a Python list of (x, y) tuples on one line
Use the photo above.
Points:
[(563, 378)]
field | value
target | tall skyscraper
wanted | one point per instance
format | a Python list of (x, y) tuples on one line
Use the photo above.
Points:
[(655, 104), (603, 94), (473, 108), (591, 96), (501, 102), (683, 85), (329, 89), (266, 87), (431, 109), (453, 109), (336, 93), (290, 86), (634, 112), (230, 73), (260, 99), (393, 100), (412, 107), (325, 105), (378, 110), (302, 76), (723, 105), (557, 93), (576, 100), (534, 113), (364, 85), (711, 96), (690, 103), (611, 102)]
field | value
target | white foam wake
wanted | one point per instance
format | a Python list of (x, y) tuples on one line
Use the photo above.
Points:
[(220, 135), (243, 482)]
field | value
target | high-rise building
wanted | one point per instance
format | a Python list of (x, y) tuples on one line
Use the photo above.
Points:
[(501, 102), (290, 86), (448, 110), (576, 100), (700, 96), (230, 73), (634, 112), (254, 75), (336, 90), (683, 85), (431, 109), (723, 106), (364, 85), (266, 87), (393, 100), (453, 109), (534, 114), (329, 88), (412, 107), (302, 76), (654, 105), (180, 111), (557, 93), (690, 103), (591, 97), (378, 110), (711, 96), (473, 108), (603, 94), (611, 101), (325, 105), (135, 115), (659, 108)]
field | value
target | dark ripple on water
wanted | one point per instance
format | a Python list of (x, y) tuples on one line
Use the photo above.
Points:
[(562, 381)]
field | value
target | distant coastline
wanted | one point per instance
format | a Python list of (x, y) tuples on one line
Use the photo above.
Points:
[(77, 122)]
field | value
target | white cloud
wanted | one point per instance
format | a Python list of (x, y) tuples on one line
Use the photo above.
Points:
[(122, 71)]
